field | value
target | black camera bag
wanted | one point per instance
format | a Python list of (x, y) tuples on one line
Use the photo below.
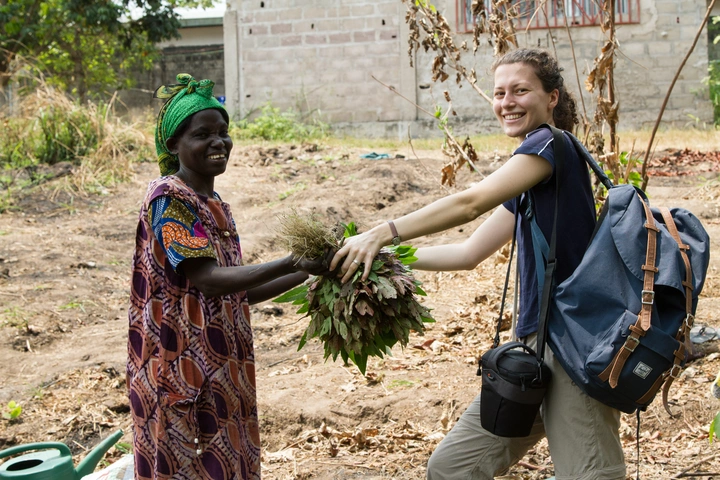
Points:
[(513, 387)]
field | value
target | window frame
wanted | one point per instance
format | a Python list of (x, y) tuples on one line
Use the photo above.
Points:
[(585, 13)]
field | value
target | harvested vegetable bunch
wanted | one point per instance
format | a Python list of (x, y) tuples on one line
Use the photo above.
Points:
[(307, 237), (362, 318)]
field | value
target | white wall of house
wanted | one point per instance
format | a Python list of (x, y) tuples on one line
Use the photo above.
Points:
[(325, 56), (207, 32)]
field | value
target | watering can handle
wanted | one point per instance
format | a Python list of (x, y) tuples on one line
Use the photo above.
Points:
[(64, 449)]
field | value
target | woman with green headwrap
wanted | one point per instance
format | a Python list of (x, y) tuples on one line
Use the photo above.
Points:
[(190, 372)]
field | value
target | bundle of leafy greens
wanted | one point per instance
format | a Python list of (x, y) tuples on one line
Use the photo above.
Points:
[(357, 319)]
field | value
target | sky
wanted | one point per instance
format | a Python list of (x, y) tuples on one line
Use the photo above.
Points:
[(218, 10)]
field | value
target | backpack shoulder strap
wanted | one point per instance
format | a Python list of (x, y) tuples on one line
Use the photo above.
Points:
[(549, 277), (594, 166), (683, 335)]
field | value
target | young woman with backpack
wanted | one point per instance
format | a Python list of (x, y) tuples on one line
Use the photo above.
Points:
[(582, 433)]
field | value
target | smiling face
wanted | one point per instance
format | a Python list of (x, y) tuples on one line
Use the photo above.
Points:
[(203, 149), (519, 101)]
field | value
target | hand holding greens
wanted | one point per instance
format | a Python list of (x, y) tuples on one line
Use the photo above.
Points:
[(360, 319)]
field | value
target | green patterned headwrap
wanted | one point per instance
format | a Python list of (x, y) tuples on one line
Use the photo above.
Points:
[(185, 98)]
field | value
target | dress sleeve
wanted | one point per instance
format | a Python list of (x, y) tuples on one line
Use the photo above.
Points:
[(179, 230)]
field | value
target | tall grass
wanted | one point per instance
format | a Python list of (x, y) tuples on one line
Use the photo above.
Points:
[(47, 128)]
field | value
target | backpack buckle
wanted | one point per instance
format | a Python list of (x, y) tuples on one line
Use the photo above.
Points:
[(689, 320), (644, 297), (627, 347), (675, 371)]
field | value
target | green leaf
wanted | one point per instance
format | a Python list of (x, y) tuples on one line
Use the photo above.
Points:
[(420, 291), (713, 427), (342, 330), (326, 326), (408, 260), (303, 340), (350, 229), (297, 293), (13, 410), (386, 288), (359, 360)]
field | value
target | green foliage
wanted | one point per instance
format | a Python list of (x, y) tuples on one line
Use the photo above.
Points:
[(713, 427), (14, 317), (629, 168), (360, 319), (50, 128), (713, 78), (80, 45), (124, 447), (350, 230), (399, 383), (12, 410), (272, 124), (426, 4)]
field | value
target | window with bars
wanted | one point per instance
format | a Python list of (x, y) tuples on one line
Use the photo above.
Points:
[(532, 14)]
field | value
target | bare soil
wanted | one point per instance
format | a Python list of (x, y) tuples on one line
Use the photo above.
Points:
[(64, 277)]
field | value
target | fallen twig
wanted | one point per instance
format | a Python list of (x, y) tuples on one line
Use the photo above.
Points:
[(684, 473)]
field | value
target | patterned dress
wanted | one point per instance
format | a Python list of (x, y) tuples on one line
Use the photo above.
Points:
[(191, 370)]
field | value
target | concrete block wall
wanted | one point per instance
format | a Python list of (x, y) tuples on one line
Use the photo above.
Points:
[(207, 61), (321, 56), (650, 54), (318, 56)]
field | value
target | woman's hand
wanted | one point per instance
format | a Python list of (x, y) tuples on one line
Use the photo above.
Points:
[(357, 250), (318, 266)]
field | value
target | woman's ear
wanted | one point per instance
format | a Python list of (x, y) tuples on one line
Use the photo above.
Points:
[(554, 98), (172, 145)]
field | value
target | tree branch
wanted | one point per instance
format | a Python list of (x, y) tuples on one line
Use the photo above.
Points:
[(444, 127), (667, 95)]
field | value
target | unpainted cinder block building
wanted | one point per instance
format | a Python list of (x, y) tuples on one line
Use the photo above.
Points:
[(347, 61)]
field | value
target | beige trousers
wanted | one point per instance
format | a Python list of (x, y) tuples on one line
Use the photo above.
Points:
[(582, 435)]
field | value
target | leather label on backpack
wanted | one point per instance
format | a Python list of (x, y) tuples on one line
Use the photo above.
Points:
[(642, 370)]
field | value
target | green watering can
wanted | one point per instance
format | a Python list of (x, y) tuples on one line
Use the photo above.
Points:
[(53, 462)]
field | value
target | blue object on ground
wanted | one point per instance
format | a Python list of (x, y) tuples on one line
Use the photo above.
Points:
[(374, 156)]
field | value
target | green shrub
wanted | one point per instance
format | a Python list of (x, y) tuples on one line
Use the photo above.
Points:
[(272, 124), (49, 128), (713, 78)]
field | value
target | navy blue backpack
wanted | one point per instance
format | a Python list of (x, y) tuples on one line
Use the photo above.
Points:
[(620, 324)]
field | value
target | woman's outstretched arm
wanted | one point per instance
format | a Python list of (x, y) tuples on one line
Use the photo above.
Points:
[(492, 234), (517, 175)]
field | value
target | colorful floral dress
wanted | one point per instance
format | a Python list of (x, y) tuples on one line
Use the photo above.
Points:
[(191, 370)]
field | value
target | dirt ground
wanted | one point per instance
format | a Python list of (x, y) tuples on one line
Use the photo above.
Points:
[(64, 276)]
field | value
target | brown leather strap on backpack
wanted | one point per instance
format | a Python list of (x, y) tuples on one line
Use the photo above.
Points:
[(638, 330), (648, 293), (683, 335)]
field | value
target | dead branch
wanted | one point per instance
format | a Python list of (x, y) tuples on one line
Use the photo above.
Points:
[(684, 473), (438, 37), (667, 95), (455, 144)]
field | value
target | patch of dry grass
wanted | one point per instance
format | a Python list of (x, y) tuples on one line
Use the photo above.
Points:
[(306, 236)]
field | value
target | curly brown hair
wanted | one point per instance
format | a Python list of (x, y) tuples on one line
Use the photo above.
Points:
[(550, 74)]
